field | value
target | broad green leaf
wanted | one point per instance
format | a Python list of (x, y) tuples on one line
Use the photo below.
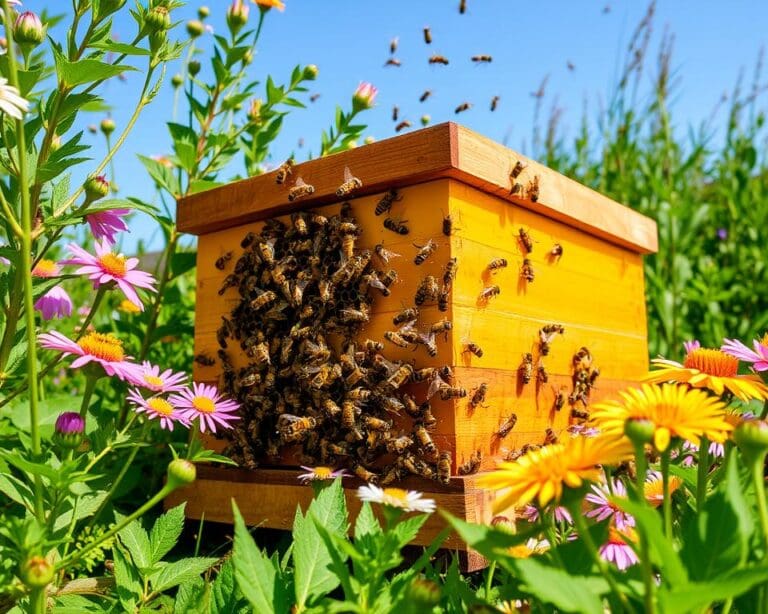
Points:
[(226, 598), (86, 507), (254, 572), (181, 262), (85, 71), (179, 572), (193, 598), (567, 592), (164, 177), (119, 48), (488, 541), (405, 530), (366, 523), (698, 596), (18, 461), (166, 532), (127, 579), (16, 490), (136, 540), (76, 604)]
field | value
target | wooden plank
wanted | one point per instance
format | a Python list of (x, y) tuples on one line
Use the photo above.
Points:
[(445, 150)]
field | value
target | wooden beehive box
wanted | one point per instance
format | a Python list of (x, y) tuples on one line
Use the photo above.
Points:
[(595, 290)]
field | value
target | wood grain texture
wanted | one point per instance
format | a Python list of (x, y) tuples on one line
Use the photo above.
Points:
[(445, 150)]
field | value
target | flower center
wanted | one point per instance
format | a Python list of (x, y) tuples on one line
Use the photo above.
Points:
[(323, 473), (160, 406), (397, 494), (712, 362), (153, 380), (204, 405), (764, 340), (114, 264), (46, 268), (107, 347), (127, 306)]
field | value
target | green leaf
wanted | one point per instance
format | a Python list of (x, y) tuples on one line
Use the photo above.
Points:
[(488, 541), (179, 572), (86, 506), (254, 572), (85, 71), (164, 177), (225, 595), (567, 592), (193, 598), (119, 48), (127, 579), (366, 524), (165, 533), (136, 540), (698, 596), (405, 530), (75, 604), (14, 458), (312, 575), (16, 490)]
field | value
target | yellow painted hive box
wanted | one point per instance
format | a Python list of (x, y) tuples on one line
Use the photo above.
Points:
[(532, 283)]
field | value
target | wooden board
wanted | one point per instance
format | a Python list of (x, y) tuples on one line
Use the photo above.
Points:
[(443, 151)]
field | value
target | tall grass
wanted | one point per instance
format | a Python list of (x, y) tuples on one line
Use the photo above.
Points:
[(705, 185)]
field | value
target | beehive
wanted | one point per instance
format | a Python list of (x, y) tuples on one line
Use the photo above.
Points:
[(595, 290)]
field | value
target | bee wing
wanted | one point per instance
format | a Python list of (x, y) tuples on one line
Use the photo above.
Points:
[(299, 182), (409, 326), (374, 282), (435, 385), (347, 174), (427, 339), (387, 254)]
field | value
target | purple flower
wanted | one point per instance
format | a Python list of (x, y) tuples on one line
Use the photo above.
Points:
[(531, 514), (605, 508), (204, 403), (54, 304), (758, 358), (691, 345), (106, 224), (617, 551), (722, 234), (69, 422)]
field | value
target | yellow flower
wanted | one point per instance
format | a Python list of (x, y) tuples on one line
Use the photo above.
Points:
[(674, 411), (530, 548), (711, 369), (127, 306), (541, 474), (265, 5), (653, 489)]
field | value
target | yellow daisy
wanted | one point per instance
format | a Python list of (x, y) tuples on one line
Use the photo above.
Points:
[(265, 5), (541, 474), (711, 369), (653, 489), (674, 411)]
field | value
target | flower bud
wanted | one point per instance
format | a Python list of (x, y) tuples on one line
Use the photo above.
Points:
[(425, 119), (28, 29), (423, 593), (69, 430), (180, 473), (107, 7), (752, 438), (504, 524), (158, 19), (177, 80), (310, 72), (55, 143), (248, 57), (193, 67), (639, 432), (195, 28), (352, 145), (157, 41), (254, 110), (36, 572), (364, 96), (237, 16), (96, 187), (107, 126), (203, 12)]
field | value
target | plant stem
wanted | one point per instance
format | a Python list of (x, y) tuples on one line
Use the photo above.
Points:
[(702, 474), (764, 413), (38, 601), (762, 508), (667, 498), (641, 466), (11, 320), (90, 384), (489, 580)]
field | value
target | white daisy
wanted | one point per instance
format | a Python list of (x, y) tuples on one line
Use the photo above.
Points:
[(407, 500), (10, 101)]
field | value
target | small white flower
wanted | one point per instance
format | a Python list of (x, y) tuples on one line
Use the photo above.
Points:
[(320, 473), (10, 101), (407, 500)]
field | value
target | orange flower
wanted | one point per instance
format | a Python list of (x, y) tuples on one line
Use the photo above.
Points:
[(265, 5)]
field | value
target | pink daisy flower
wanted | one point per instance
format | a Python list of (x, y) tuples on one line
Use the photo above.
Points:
[(106, 266), (207, 405), (46, 269), (319, 473), (757, 358), (531, 514), (689, 346), (691, 452), (605, 508), (54, 304), (167, 381), (106, 224), (157, 407), (617, 551), (103, 349)]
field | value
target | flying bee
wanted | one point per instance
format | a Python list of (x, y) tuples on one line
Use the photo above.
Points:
[(494, 103), (425, 251), (221, 262), (472, 465), (205, 360), (464, 106), (384, 254), (365, 475), (400, 377), (438, 59), (397, 226), (532, 189), (425, 95), (526, 368), (424, 439), (549, 437), (518, 168), (525, 240), (506, 427), (314, 97), (393, 62), (285, 169), (473, 348), (396, 339), (264, 301), (478, 396), (300, 189), (497, 263), (406, 315), (462, 7), (248, 240), (444, 468), (427, 35), (451, 267), (449, 392), (294, 428), (556, 251), (526, 271), (267, 253), (393, 44), (403, 125), (482, 59), (427, 290), (443, 298), (542, 377), (395, 113), (489, 293), (299, 221), (386, 202), (559, 400)]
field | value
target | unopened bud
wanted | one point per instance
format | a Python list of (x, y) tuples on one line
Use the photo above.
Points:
[(254, 110), (107, 126), (195, 28), (157, 41), (193, 67), (752, 438), (639, 432), (368, 140), (180, 473), (177, 80), (69, 430), (237, 15), (158, 19), (504, 524), (55, 143), (96, 187), (310, 72), (92, 128), (203, 12), (36, 572), (248, 57), (425, 119), (28, 29)]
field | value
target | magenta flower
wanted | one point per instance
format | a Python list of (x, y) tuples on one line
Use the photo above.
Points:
[(320, 473), (46, 269), (207, 405), (617, 551), (54, 304), (758, 358), (106, 267), (106, 224), (157, 407), (689, 346), (69, 430), (605, 509), (167, 381), (691, 451), (102, 349), (531, 514), (364, 96)]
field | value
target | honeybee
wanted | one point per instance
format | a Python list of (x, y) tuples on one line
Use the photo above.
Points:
[(427, 35), (422, 375), (443, 297), (478, 396), (526, 271), (425, 95), (299, 221), (429, 343), (395, 113), (285, 169), (518, 168), (489, 293), (314, 97), (248, 240), (451, 267), (532, 189), (393, 44), (221, 262), (526, 368), (449, 392), (377, 424), (516, 188), (384, 254), (444, 468), (472, 347), (267, 253), (205, 360), (436, 384), (464, 106), (549, 437), (506, 427), (525, 240), (260, 354), (366, 475), (388, 278), (399, 445), (547, 334), (350, 183), (447, 225), (385, 204), (229, 281), (556, 251), (497, 263), (582, 359), (396, 339), (462, 6), (559, 400), (406, 315), (442, 326), (472, 465), (403, 125), (397, 226), (494, 103), (300, 189), (391, 404), (294, 428), (425, 251), (438, 59), (427, 290), (264, 301), (400, 377), (373, 346), (348, 413), (482, 58), (424, 439), (393, 62), (579, 414), (542, 377), (350, 316)]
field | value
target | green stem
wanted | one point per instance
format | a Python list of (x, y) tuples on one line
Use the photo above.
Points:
[(641, 467), (38, 599), (764, 413), (11, 319), (762, 508), (702, 474), (667, 498), (489, 580), (90, 385), (96, 303)]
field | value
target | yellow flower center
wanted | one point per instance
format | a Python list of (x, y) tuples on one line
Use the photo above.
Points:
[(160, 406), (114, 264), (127, 306), (322, 473), (45, 268), (764, 339), (153, 380), (398, 494), (520, 552), (712, 362), (107, 347), (204, 405)]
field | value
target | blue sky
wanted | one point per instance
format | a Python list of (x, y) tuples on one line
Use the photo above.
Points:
[(349, 42)]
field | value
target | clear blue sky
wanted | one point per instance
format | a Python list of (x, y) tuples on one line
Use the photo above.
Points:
[(349, 40)]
